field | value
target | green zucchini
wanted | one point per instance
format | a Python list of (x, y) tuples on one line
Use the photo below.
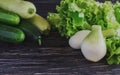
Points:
[(9, 18), (30, 31), (40, 23), (11, 34), (24, 9)]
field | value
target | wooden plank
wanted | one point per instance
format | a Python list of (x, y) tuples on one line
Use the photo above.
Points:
[(49, 61)]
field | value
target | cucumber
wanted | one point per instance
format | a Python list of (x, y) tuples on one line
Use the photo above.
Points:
[(11, 34), (30, 31), (9, 18), (24, 9), (42, 24)]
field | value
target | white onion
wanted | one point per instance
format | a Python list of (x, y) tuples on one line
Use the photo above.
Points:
[(94, 46), (76, 40)]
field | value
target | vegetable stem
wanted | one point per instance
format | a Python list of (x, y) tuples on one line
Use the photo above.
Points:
[(108, 33)]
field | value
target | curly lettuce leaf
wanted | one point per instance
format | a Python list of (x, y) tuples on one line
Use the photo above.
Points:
[(116, 7), (113, 47), (71, 18), (109, 16), (75, 15)]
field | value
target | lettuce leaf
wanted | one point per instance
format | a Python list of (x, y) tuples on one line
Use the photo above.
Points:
[(71, 18), (75, 15), (113, 46)]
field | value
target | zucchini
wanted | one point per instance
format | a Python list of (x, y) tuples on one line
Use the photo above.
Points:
[(9, 18), (31, 31), (11, 34), (24, 9), (41, 23)]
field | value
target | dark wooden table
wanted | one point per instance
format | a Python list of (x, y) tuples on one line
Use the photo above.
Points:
[(54, 57)]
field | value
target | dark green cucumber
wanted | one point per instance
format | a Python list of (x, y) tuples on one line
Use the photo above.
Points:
[(31, 31), (11, 34), (9, 18)]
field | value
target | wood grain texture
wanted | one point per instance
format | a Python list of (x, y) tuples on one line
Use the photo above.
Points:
[(54, 57)]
